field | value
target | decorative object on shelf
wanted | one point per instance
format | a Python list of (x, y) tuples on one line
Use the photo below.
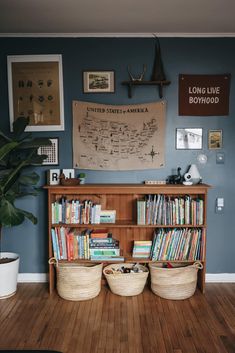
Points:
[(140, 77), (193, 175), (53, 177), (82, 178), (189, 139), (68, 173), (155, 182), (51, 151), (202, 158), (68, 181), (175, 178), (187, 179), (158, 70), (98, 81), (215, 139), (175, 283), (158, 77), (35, 85)]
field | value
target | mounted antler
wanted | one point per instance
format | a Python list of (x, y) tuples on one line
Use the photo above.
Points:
[(141, 76)]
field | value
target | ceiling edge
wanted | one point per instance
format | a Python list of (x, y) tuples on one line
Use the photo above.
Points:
[(119, 35)]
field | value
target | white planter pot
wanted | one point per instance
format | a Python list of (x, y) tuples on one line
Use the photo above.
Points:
[(8, 275)]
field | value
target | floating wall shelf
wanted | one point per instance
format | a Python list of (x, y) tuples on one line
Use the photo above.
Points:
[(160, 84)]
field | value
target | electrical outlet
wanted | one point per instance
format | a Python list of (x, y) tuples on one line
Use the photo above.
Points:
[(220, 158), (219, 207)]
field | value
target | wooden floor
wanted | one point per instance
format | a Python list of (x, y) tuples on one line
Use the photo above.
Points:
[(113, 324)]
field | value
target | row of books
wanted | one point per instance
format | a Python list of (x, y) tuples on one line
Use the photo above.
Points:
[(98, 245), (170, 210), (80, 212), (72, 244), (177, 244)]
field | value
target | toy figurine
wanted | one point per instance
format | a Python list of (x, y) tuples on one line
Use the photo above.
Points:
[(175, 178)]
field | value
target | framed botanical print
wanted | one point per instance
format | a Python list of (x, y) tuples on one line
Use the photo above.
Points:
[(35, 88), (215, 139)]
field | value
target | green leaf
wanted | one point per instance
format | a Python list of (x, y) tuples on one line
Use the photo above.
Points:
[(4, 150), (36, 143), (30, 216), (29, 179), (9, 214), (19, 126)]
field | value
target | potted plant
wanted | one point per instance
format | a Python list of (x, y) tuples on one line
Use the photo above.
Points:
[(82, 178), (18, 154)]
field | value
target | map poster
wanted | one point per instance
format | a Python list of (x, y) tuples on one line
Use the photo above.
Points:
[(118, 137)]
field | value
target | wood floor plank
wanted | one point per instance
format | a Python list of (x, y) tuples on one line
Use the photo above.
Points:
[(32, 319)]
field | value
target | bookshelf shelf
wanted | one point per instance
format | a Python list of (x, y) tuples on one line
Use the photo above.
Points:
[(125, 225), (123, 199)]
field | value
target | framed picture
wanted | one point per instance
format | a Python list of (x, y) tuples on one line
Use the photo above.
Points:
[(35, 88), (51, 151), (98, 82), (189, 139), (215, 139)]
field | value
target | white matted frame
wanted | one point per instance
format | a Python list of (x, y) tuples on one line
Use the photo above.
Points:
[(189, 138), (35, 88), (51, 151)]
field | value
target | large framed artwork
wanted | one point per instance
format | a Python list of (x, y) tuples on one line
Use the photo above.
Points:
[(35, 87)]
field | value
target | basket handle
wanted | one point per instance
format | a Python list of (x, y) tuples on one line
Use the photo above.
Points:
[(53, 261), (198, 265)]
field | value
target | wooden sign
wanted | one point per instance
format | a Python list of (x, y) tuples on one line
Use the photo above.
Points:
[(204, 95)]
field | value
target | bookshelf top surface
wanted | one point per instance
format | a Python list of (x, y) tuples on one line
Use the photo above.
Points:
[(129, 188)]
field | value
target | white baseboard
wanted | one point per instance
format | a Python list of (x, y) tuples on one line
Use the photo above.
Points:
[(220, 277), (43, 277), (32, 277)]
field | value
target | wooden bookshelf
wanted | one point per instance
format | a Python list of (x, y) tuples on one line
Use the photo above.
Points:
[(123, 198)]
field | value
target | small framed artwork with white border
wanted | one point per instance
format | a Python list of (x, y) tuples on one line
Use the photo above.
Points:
[(189, 139), (51, 151)]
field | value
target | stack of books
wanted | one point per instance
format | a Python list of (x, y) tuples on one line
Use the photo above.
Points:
[(142, 248), (103, 247)]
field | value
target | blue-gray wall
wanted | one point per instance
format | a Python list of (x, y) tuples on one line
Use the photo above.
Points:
[(180, 55)]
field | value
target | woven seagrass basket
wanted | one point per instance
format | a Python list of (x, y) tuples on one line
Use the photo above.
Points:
[(175, 283), (77, 281), (126, 284)]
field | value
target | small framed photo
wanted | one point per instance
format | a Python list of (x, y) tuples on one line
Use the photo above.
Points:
[(189, 139), (35, 89), (51, 151), (215, 139), (98, 82)]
